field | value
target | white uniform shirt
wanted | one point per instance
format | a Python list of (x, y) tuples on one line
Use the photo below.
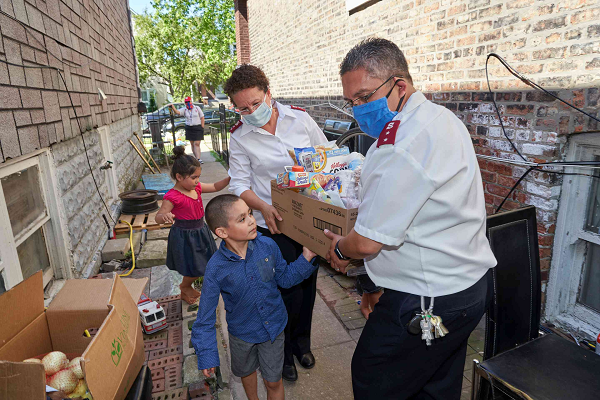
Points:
[(256, 156), (193, 116), (422, 198)]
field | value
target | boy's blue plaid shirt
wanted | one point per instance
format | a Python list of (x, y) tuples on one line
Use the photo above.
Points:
[(255, 309)]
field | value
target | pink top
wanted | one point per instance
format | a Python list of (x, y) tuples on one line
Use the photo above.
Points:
[(184, 207)]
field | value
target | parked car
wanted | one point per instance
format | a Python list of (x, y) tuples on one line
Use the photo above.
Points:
[(211, 117)]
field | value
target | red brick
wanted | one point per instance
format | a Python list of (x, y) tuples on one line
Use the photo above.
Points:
[(158, 373), (506, 181), (158, 385), (545, 252), (497, 190), (519, 109), (176, 394), (502, 169), (199, 390), (545, 240)]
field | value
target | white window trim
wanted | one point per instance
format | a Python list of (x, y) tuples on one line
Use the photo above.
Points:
[(55, 236), (568, 256), (106, 146)]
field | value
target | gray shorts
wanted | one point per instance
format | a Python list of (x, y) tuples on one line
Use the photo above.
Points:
[(266, 356)]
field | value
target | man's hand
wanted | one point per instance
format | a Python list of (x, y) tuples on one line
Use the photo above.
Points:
[(336, 263), (309, 255), (208, 372), (270, 215)]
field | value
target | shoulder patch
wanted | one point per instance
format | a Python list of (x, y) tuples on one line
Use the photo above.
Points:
[(388, 134), (237, 125), (297, 108)]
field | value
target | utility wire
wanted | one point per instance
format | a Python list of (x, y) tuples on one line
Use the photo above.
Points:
[(534, 166), (78, 124)]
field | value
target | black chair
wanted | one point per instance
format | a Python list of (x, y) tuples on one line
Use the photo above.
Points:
[(516, 363)]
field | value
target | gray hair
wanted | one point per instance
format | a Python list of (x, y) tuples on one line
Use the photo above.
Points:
[(379, 57)]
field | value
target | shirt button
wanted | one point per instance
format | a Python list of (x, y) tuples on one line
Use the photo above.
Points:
[(266, 322), (266, 259)]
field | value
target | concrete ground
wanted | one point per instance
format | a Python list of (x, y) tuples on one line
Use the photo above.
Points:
[(337, 325)]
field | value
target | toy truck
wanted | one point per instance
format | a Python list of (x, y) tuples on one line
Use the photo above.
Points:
[(152, 315)]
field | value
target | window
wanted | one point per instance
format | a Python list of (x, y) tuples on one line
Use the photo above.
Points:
[(574, 285), (150, 318), (29, 221)]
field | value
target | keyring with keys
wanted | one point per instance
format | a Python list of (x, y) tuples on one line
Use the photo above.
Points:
[(427, 323)]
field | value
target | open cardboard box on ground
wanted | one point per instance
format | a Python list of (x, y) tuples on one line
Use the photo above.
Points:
[(111, 359), (304, 218)]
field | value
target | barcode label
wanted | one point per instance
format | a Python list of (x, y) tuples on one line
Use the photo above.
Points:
[(320, 224)]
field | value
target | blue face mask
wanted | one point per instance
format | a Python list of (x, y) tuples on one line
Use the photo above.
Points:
[(374, 115), (260, 116)]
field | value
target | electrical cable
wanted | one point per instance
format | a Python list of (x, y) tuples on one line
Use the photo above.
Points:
[(533, 166), (78, 124)]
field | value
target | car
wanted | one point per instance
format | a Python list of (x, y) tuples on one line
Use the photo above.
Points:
[(152, 315), (163, 114), (211, 117)]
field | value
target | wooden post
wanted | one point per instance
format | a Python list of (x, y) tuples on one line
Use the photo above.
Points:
[(140, 154), (147, 152)]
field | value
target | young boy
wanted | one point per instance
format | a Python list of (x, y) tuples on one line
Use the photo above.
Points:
[(246, 271)]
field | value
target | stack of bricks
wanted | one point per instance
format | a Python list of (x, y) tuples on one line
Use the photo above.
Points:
[(164, 354)]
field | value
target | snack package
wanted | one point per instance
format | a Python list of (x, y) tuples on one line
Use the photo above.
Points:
[(330, 161), (300, 150), (292, 179), (315, 191)]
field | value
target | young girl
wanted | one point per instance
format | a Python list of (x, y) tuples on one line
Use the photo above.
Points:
[(191, 243)]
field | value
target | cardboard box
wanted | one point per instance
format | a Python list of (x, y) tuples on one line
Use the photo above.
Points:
[(304, 218), (111, 359)]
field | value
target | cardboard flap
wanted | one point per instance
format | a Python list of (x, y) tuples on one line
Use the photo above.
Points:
[(117, 345), (20, 306), (22, 381), (32, 341)]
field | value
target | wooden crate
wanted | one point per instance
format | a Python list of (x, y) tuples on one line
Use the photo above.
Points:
[(139, 222)]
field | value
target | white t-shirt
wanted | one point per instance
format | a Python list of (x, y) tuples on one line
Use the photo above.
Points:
[(422, 198), (256, 156), (193, 116)]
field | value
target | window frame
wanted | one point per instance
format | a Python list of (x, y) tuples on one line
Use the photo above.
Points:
[(51, 224), (570, 244)]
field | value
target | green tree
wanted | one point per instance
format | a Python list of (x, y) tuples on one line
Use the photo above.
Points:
[(183, 41), (152, 103)]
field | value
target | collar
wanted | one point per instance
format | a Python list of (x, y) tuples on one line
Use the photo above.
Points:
[(413, 102), (284, 111), (230, 255)]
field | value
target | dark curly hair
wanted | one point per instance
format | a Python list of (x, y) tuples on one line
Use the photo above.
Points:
[(244, 77), (183, 164)]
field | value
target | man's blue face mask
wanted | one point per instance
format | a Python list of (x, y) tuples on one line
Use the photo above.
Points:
[(188, 105), (374, 115)]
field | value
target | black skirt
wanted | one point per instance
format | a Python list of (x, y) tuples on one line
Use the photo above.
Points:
[(194, 132), (190, 246)]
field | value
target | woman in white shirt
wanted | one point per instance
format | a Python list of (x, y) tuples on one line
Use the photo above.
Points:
[(258, 152), (194, 125)]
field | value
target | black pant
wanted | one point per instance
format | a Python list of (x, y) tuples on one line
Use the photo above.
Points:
[(299, 301), (390, 363)]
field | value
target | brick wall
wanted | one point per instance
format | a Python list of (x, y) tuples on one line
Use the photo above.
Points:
[(241, 31), (90, 42), (446, 42)]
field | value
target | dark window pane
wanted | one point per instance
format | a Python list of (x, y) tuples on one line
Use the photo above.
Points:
[(590, 286)]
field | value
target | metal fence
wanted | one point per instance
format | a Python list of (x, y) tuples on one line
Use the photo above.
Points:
[(220, 135)]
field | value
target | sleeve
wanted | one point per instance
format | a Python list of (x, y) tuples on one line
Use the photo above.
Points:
[(172, 197), (239, 169), (204, 333), (200, 112), (393, 195), (182, 111), (315, 133), (288, 275)]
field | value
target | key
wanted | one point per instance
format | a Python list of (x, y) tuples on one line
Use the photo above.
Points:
[(440, 329), (426, 327), (414, 326)]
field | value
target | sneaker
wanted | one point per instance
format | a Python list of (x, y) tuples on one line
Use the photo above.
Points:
[(200, 161)]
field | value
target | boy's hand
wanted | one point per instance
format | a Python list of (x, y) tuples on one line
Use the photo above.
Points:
[(208, 372), (309, 255)]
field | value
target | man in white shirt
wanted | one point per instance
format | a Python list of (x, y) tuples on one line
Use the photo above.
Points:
[(420, 229), (194, 125)]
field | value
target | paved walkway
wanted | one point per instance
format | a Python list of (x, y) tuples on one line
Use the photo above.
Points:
[(337, 325)]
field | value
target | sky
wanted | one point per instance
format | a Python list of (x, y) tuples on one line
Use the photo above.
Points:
[(139, 5)]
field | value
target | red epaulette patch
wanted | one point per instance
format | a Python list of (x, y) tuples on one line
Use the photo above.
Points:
[(237, 125), (388, 134), (297, 108)]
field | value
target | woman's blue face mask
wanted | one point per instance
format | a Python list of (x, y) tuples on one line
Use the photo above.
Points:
[(374, 115)]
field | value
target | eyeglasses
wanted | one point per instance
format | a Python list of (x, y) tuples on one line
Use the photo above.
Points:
[(251, 109), (365, 99)]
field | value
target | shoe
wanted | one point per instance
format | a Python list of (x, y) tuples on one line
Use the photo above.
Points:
[(289, 373), (307, 360), (200, 161)]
